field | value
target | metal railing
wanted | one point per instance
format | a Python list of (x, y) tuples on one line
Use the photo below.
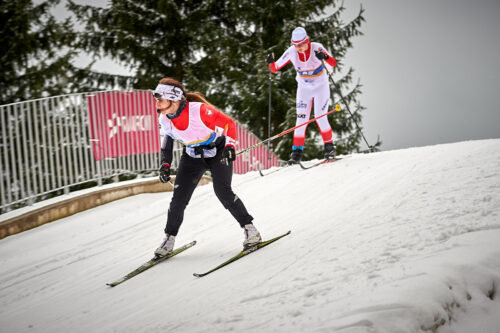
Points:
[(55, 145), (47, 148)]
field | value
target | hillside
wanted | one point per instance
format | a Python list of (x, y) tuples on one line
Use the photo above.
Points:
[(398, 241)]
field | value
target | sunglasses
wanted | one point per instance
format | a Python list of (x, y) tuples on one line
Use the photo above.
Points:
[(300, 45), (157, 95)]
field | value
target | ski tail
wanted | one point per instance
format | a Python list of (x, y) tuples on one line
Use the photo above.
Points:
[(331, 160)]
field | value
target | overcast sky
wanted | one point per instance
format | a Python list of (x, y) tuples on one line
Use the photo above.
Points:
[(429, 70)]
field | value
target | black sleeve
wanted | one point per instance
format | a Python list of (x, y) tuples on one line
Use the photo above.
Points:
[(167, 147)]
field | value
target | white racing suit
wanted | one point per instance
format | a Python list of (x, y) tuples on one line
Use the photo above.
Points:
[(313, 89)]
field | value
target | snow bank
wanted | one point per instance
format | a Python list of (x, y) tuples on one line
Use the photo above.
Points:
[(398, 241)]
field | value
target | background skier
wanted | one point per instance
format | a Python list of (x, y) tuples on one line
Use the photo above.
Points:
[(313, 88)]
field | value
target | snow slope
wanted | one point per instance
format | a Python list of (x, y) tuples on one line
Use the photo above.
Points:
[(397, 241)]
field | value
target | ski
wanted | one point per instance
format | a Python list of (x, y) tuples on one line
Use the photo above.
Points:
[(147, 265), (243, 253), (276, 170), (319, 163), (270, 172)]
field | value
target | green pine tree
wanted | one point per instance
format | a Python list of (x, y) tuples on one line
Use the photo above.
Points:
[(219, 48), (265, 27), (36, 58), (154, 39)]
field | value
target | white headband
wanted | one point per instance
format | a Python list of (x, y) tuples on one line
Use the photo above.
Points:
[(166, 91)]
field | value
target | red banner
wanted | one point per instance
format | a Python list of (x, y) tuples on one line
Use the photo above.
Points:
[(126, 123), (256, 159), (122, 124)]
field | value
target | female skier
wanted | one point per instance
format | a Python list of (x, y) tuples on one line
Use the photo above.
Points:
[(209, 137), (313, 87)]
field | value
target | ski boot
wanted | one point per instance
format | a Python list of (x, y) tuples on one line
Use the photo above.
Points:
[(166, 246), (295, 157), (252, 236), (329, 151)]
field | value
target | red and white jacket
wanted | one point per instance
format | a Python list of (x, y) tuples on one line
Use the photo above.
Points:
[(310, 70), (198, 124)]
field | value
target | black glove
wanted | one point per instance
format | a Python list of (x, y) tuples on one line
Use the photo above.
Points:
[(270, 58), (164, 173), (228, 155), (321, 55)]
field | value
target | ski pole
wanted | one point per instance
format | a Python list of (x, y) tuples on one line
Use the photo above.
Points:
[(370, 148), (337, 108), (269, 115)]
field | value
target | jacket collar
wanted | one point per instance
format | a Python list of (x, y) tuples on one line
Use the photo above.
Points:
[(177, 113)]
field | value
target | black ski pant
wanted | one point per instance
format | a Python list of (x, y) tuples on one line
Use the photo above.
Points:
[(189, 174)]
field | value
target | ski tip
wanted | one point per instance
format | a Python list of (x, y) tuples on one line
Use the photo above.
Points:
[(198, 275), (110, 284)]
